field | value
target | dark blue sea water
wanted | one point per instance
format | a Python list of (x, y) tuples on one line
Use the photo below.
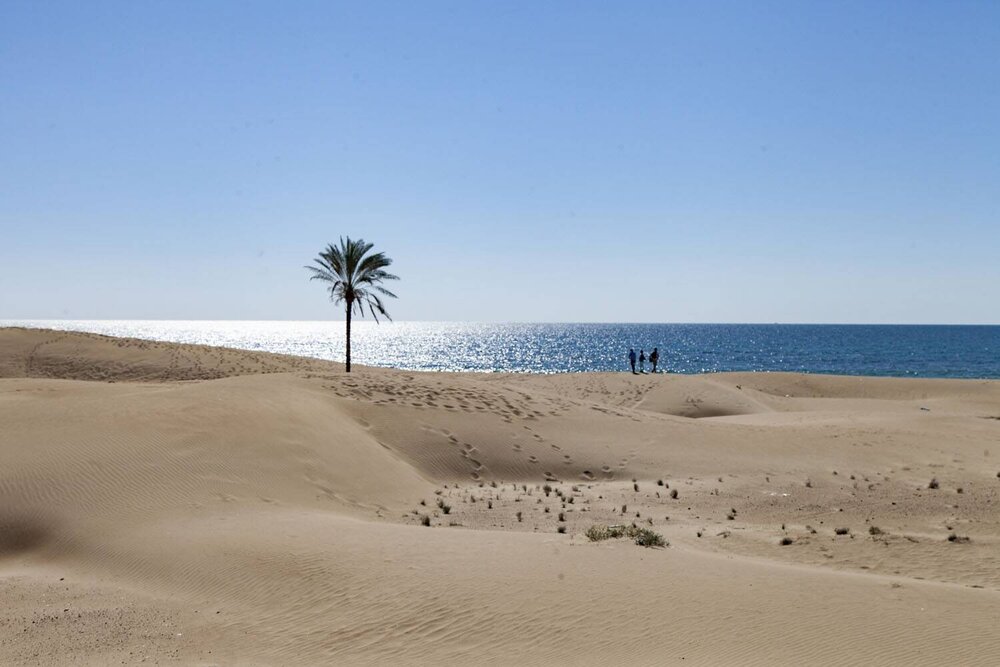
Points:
[(891, 350)]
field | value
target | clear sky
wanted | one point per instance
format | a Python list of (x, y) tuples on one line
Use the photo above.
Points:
[(524, 161)]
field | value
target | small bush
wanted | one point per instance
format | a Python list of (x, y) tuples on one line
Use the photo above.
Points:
[(597, 533), (635, 487), (933, 483), (519, 519), (642, 536), (425, 520), (547, 489), (673, 494), (562, 517), (842, 531), (659, 482), (647, 538), (561, 529), (958, 539), (875, 530), (785, 541)]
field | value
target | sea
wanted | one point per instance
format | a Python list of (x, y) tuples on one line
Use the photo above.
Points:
[(945, 351)]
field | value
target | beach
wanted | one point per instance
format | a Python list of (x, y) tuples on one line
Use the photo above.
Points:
[(169, 503)]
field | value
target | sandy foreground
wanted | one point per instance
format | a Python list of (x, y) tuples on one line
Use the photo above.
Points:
[(167, 503)]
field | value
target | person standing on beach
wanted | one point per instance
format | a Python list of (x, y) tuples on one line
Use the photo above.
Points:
[(631, 358), (642, 361), (654, 358)]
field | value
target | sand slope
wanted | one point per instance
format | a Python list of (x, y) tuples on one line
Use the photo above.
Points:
[(204, 506)]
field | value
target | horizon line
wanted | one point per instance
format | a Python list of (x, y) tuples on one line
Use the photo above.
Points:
[(6, 322)]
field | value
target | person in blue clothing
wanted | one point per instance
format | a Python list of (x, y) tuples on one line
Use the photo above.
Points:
[(631, 359), (642, 361)]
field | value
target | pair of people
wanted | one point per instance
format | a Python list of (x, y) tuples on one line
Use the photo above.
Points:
[(654, 359)]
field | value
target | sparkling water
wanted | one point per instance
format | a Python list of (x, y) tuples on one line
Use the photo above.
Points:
[(893, 350)]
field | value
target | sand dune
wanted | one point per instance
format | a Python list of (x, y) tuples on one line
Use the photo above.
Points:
[(176, 503)]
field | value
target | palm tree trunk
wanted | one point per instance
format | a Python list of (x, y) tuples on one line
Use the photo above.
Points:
[(349, 304)]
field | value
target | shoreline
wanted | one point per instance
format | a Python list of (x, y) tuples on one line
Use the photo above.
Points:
[(500, 372)]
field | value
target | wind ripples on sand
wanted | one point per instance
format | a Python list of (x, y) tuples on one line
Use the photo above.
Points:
[(891, 350)]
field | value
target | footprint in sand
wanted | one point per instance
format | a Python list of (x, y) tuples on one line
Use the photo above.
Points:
[(517, 448), (587, 475), (555, 447), (533, 459)]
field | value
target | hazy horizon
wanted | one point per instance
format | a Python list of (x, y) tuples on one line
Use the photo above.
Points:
[(725, 163)]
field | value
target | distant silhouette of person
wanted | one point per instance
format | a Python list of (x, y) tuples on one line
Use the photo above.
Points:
[(642, 361), (654, 358), (631, 359)]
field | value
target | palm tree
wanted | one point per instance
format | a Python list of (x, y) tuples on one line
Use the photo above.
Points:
[(355, 278)]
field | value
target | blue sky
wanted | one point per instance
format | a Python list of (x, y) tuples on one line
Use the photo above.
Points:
[(525, 161)]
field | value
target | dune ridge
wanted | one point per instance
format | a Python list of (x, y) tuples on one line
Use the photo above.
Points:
[(200, 505)]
